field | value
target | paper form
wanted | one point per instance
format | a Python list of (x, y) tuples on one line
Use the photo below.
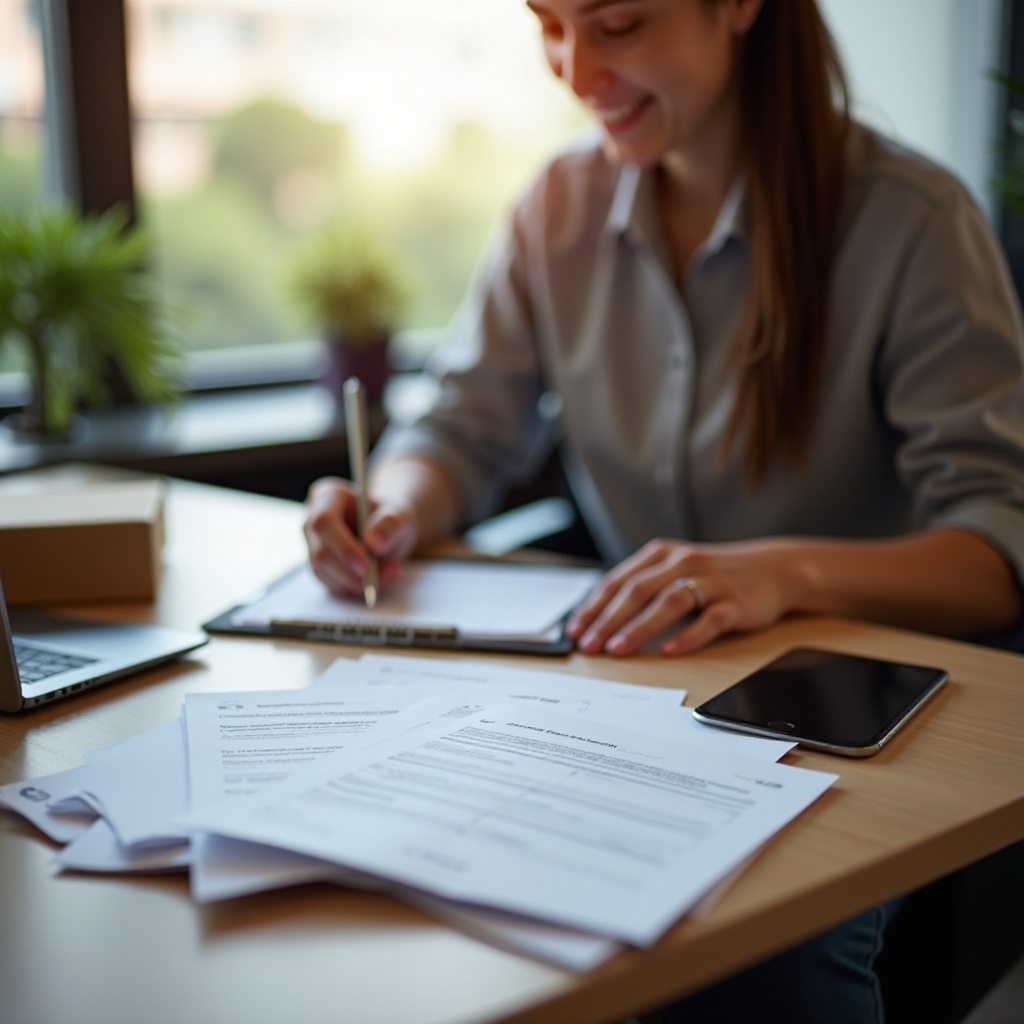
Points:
[(412, 669), (575, 950), (579, 694), (686, 728), (667, 715), (35, 800), (587, 825), (99, 850), (224, 868), (240, 743), (401, 669), (139, 786), (126, 800)]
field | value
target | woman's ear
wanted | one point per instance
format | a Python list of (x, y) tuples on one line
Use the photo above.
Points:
[(743, 14)]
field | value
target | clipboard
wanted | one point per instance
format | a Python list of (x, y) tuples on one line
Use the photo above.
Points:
[(445, 604)]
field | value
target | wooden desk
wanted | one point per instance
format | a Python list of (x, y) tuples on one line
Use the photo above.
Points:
[(120, 950)]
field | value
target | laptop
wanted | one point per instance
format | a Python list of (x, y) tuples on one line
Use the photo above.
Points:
[(44, 657)]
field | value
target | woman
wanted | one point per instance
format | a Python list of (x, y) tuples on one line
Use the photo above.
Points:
[(790, 366), (782, 346)]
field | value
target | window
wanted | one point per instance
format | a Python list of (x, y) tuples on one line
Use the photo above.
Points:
[(256, 123), (21, 116)]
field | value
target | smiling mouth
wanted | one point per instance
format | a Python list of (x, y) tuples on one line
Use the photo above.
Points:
[(622, 117)]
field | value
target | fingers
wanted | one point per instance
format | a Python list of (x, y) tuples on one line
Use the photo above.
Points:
[(710, 590), (721, 618), (584, 617), (337, 555), (665, 583), (640, 610), (390, 533), (391, 536), (338, 558)]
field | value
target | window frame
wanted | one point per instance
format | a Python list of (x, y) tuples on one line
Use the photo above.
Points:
[(88, 113), (1010, 225)]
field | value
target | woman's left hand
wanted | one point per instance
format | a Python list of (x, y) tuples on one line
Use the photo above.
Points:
[(711, 589)]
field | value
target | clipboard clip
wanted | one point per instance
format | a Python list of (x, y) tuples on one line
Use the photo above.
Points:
[(368, 633)]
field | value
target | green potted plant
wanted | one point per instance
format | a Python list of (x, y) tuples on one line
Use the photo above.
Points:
[(77, 297), (354, 290)]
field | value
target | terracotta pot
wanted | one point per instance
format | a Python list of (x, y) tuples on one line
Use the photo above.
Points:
[(367, 362)]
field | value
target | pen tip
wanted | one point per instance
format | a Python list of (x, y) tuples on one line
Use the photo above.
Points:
[(371, 596)]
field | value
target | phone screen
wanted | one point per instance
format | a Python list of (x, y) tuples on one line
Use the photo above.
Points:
[(824, 699)]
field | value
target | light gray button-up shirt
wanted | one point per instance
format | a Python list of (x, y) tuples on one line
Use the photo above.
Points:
[(921, 420)]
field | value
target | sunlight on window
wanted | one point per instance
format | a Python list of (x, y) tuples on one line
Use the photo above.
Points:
[(257, 122), (21, 118), (21, 105)]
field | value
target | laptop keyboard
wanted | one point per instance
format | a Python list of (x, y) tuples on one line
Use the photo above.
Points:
[(37, 663)]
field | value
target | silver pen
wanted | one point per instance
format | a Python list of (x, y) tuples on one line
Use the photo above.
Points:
[(357, 428)]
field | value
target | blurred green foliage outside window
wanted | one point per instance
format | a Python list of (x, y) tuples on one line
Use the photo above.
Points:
[(258, 123), (255, 123)]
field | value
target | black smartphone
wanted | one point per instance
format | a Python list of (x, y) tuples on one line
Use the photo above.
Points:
[(840, 703)]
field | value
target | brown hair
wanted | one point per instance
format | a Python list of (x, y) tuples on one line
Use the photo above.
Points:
[(794, 113)]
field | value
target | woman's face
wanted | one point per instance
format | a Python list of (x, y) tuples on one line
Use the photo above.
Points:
[(657, 75)]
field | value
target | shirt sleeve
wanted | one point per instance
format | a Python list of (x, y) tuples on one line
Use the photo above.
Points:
[(952, 379), (485, 427)]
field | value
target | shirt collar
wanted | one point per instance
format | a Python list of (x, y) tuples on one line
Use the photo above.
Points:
[(730, 222), (623, 214), (634, 210)]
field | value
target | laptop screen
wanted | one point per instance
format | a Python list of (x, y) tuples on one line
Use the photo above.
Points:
[(10, 682)]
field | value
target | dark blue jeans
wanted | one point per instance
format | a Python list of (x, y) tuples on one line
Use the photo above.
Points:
[(827, 980)]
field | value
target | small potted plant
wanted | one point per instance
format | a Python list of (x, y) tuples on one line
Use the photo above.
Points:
[(354, 290), (78, 298)]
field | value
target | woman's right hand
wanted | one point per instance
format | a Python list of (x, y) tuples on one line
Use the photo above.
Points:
[(337, 555)]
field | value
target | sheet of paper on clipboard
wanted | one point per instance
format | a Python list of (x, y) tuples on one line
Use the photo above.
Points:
[(466, 603)]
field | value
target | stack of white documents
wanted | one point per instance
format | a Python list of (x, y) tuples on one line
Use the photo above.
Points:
[(553, 814)]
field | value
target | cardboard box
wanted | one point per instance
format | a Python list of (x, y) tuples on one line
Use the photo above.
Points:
[(96, 542)]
